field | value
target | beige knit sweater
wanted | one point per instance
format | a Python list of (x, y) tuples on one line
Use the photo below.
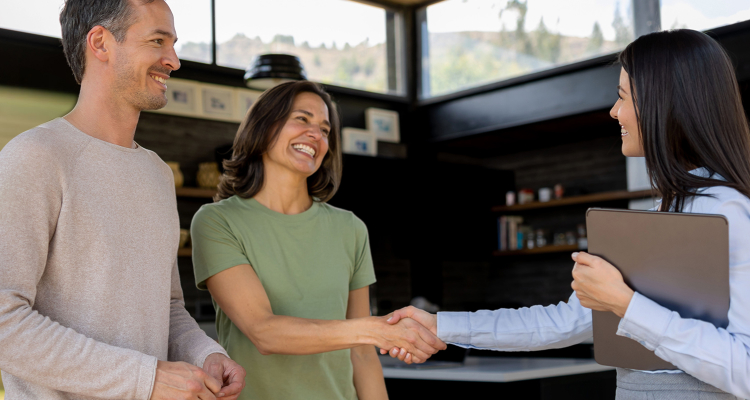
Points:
[(90, 295)]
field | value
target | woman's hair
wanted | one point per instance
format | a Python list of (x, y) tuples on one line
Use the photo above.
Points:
[(690, 113), (244, 173)]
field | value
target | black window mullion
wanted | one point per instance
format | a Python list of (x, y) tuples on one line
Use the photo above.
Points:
[(213, 32), (390, 49)]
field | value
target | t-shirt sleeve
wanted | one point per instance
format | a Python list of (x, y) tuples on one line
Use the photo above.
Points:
[(215, 246), (364, 271)]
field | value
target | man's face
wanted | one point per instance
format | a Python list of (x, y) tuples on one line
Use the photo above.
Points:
[(143, 61)]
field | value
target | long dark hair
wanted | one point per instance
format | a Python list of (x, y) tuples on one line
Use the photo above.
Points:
[(690, 114), (244, 173)]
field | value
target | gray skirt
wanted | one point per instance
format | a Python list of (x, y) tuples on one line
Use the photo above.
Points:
[(636, 385)]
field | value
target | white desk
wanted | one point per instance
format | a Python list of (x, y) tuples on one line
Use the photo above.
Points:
[(495, 369)]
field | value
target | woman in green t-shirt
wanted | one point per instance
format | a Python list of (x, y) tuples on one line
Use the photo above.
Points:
[(289, 274)]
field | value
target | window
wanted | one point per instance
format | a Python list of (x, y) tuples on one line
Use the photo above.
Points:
[(339, 42), (701, 14), (32, 16), (474, 42), (192, 20)]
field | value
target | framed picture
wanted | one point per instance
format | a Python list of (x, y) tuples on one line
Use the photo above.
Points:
[(182, 97), (218, 102), (359, 141), (245, 99), (384, 123)]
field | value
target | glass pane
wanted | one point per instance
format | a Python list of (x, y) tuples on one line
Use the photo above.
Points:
[(701, 14), (339, 42), (475, 42), (41, 17), (192, 20)]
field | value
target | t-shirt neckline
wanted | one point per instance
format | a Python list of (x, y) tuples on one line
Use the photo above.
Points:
[(301, 217)]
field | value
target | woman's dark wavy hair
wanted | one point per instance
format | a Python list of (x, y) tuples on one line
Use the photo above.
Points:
[(690, 114), (244, 173)]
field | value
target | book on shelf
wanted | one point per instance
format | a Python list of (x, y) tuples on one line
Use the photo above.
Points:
[(509, 236)]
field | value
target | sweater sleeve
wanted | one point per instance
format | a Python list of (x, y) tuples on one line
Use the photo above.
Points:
[(34, 347), (187, 341)]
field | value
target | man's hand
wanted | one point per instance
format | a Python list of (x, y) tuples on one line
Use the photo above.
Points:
[(416, 340), (179, 380), (424, 318), (228, 372), (599, 285)]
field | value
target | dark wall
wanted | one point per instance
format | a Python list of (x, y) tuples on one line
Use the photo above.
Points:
[(512, 281)]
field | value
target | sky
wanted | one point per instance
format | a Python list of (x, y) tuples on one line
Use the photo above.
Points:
[(567, 18), (323, 21), (315, 21)]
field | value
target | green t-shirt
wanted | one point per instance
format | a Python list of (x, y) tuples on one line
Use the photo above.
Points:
[(307, 264)]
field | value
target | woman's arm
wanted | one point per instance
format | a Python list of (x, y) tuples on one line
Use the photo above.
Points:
[(368, 373), (240, 294), (523, 329)]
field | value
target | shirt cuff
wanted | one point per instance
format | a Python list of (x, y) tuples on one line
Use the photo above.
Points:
[(645, 321), (201, 359), (146, 377), (454, 327)]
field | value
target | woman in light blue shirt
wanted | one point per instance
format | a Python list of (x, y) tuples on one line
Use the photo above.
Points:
[(680, 108)]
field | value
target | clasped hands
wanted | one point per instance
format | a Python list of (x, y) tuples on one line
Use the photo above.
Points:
[(220, 378), (597, 283), (422, 322)]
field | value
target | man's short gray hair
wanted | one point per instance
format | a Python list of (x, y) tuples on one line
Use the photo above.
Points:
[(79, 16)]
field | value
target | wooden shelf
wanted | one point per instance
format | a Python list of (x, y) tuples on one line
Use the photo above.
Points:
[(539, 250), (589, 198), (195, 192), (185, 252)]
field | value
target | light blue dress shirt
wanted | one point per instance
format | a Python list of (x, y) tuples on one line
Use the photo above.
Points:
[(717, 356)]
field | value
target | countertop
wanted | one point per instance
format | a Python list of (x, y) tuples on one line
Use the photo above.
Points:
[(493, 369)]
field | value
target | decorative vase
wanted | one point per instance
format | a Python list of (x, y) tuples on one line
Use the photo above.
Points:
[(184, 237), (179, 179), (208, 175)]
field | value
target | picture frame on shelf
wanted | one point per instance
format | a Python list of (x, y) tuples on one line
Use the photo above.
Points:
[(245, 99), (384, 123), (359, 141), (218, 102), (183, 97)]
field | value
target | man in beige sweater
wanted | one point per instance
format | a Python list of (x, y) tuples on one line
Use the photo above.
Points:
[(90, 298)]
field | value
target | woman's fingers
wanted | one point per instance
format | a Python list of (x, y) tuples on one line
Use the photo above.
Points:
[(585, 259), (406, 312)]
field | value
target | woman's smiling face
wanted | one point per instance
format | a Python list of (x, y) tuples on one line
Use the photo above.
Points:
[(624, 112), (303, 141)]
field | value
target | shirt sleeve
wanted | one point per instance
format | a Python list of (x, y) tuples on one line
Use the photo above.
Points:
[(717, 356), (523, 329), (364, 271), (34, 347), (187, 341), (215, 247)]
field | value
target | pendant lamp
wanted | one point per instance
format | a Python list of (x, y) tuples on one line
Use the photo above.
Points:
[(269, 70)]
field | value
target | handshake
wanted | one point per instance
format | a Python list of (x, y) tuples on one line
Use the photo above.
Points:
[(409, 334)]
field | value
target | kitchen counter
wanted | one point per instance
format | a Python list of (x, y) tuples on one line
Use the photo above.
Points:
[(493, 369)]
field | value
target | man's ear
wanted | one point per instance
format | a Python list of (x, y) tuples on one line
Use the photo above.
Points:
[(98, 41)]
